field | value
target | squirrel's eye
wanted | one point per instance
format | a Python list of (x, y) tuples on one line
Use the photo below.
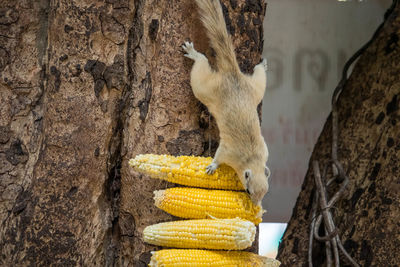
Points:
[(248, 192)]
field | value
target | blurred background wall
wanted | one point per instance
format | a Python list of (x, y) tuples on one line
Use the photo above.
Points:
[(306, 43)]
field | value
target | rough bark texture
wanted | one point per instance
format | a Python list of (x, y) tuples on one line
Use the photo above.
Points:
[(84, 86), (369, 148), (164, 117)]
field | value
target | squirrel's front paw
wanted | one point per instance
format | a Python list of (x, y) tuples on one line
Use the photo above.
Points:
[(265, 63), (189, 49), (210, 169)]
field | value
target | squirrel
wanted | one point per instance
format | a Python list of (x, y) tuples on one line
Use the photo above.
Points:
[(232, 98)]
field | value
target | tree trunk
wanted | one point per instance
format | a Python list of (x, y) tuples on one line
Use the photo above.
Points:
[(85, 86), (164, 117), (368, 216)]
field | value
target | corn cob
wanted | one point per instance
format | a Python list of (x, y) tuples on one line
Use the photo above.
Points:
[(229, 234), (186, 170), (195, 203), (197, 258)]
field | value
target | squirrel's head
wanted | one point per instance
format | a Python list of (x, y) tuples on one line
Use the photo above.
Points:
[(256, 183)]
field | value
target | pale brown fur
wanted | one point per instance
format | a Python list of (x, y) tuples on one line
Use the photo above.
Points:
[(232, 98)]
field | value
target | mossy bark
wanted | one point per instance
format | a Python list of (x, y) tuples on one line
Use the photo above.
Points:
[(84, 86), (368, 215)]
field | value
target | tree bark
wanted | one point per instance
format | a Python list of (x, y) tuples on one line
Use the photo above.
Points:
[(368, 216), (164, 117), (85, 86)]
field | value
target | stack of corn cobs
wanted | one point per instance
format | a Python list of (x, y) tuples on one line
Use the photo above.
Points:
[(222, 221)]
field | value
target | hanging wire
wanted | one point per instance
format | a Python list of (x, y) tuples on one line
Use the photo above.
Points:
[(321, 206)]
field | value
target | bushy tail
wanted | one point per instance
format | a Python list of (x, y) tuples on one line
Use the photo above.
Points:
[(214, 22)]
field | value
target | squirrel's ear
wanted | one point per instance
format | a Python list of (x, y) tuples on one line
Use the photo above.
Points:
[(247, 174), (267, 171)]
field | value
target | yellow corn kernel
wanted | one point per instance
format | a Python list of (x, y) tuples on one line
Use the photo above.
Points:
[(196, 203), (201, 258), (186, 170), (229, 234)]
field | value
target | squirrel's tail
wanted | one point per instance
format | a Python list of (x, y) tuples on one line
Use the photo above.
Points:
[(213, 21)]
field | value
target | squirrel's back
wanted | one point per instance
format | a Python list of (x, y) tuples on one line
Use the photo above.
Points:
[(232, 98)]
